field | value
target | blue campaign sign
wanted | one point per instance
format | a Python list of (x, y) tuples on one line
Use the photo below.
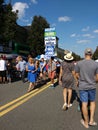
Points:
[(49, 50), (50, 42)]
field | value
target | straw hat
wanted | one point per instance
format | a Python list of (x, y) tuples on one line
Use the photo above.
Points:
[(68, 57)]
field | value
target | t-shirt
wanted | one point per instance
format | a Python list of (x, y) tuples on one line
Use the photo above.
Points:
[(42, 66), (51, 66), (22, 65), (2, 65), (87, 70)]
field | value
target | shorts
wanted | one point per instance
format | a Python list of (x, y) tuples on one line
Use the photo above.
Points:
[(87, 95), (51, 75), (3, 73)]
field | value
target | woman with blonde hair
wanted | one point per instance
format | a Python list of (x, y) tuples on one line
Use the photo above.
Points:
[(31, 69)]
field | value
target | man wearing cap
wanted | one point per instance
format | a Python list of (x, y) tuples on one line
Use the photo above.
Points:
[(87, 76)]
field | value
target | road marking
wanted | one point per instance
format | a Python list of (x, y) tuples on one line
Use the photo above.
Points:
[(17, 102)]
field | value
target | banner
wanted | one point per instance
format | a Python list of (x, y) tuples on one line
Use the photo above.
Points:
[(50, 42)]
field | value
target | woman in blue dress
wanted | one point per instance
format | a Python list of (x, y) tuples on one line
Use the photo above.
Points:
[(32, 74)]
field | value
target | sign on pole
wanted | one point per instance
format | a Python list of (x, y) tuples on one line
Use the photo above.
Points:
[(50, 42)]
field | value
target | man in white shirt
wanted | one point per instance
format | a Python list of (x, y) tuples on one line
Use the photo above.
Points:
[(2, 70)]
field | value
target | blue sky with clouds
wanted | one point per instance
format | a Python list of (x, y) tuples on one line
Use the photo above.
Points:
[(76, 21)]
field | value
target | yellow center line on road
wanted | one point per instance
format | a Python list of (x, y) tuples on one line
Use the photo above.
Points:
[(16, 100), (12, 105)]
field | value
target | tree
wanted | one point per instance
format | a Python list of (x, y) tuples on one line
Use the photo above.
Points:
[(36, 36), (95, 55), (21, 34), (7, 22), (76, 57), (1, 17)]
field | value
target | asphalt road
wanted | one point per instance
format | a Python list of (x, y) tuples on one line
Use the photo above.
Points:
[(38, 110)]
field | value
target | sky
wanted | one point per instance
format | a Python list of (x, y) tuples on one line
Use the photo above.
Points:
[(75, 21)]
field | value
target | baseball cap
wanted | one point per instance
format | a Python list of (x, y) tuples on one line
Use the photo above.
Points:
[(88, 51)]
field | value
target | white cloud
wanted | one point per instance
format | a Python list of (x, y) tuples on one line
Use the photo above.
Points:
[(21, 7), (34, 1), (64, 19), (88, 35), (83, 41), (86, 29), (73, 35), (96, 31)]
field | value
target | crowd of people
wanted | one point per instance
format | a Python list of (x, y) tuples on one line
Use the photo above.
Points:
[(28, 70), (41, 69), (83, 74)]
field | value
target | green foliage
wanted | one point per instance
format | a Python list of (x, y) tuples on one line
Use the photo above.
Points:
[(1, 17), (7, 23), (36, 36), (76, 57), (95, 55), (21, 35)]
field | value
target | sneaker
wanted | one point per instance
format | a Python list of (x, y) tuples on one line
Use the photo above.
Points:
[(70, 105), (64, 106), (51, 86)]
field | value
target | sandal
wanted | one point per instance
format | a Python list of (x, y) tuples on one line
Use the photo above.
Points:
[(70, 105), (83, 123), (64, 106), (93, 123)]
